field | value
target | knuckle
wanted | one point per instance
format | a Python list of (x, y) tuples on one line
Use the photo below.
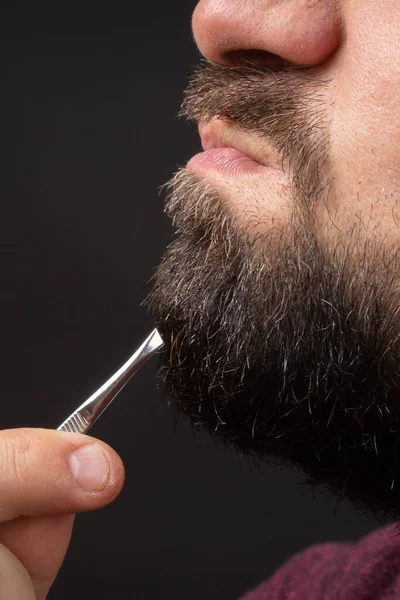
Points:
[(15, 458)]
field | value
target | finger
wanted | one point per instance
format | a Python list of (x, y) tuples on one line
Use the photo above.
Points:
[(40, 543), (15, 583), (45, 472)]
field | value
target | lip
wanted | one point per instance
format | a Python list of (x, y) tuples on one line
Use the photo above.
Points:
[(231, 152), (218, 133), (246, 172)]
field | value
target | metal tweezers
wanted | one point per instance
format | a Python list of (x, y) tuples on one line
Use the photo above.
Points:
[(87, 413)]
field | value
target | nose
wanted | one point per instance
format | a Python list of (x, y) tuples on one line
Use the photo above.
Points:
[(302, 32)]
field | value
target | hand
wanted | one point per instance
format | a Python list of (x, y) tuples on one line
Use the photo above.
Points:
[(43, 482)]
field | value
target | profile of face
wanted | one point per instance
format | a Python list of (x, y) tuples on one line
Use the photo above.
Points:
[(278, 298)]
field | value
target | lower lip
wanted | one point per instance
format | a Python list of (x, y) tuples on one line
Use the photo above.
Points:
[(226, 161)]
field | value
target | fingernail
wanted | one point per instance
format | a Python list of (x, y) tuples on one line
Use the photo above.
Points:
[(90, 467)]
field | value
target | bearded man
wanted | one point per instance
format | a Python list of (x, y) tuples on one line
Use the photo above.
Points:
[(279, 297), (278, 300)]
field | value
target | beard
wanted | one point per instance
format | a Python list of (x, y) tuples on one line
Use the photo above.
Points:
[(277, 345)]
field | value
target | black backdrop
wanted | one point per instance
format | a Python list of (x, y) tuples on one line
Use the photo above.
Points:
[(88, 135)]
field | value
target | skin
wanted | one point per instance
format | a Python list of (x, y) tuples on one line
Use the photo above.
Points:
[(354, 44)]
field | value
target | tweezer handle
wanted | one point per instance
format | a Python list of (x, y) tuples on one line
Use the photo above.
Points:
[(87, 413)]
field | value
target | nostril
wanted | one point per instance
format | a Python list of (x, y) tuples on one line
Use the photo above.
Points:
[(276, 35), (236, 57)]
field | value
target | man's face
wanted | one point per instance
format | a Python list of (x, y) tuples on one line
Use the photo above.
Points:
[(278, 299)]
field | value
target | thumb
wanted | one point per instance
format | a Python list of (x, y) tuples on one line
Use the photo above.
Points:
[(45, 477), (45, 472)]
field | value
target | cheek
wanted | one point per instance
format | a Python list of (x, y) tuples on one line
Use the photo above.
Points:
[(364, 121)]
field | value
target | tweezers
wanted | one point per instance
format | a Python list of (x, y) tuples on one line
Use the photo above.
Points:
[(87, 413)]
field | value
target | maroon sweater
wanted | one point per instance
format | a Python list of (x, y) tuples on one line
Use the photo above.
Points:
[(366, 570)]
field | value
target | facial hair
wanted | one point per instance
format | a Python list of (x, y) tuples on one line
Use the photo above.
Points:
[(280, 347)]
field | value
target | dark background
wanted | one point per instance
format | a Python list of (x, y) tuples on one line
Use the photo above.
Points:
[(88, 135)]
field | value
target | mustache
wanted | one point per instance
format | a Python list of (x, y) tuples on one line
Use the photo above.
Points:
[(285, 106)]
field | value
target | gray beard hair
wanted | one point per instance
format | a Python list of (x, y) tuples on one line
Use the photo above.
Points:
[(282, 349)]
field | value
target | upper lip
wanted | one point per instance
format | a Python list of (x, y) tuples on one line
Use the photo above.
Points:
[(218, 133)]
